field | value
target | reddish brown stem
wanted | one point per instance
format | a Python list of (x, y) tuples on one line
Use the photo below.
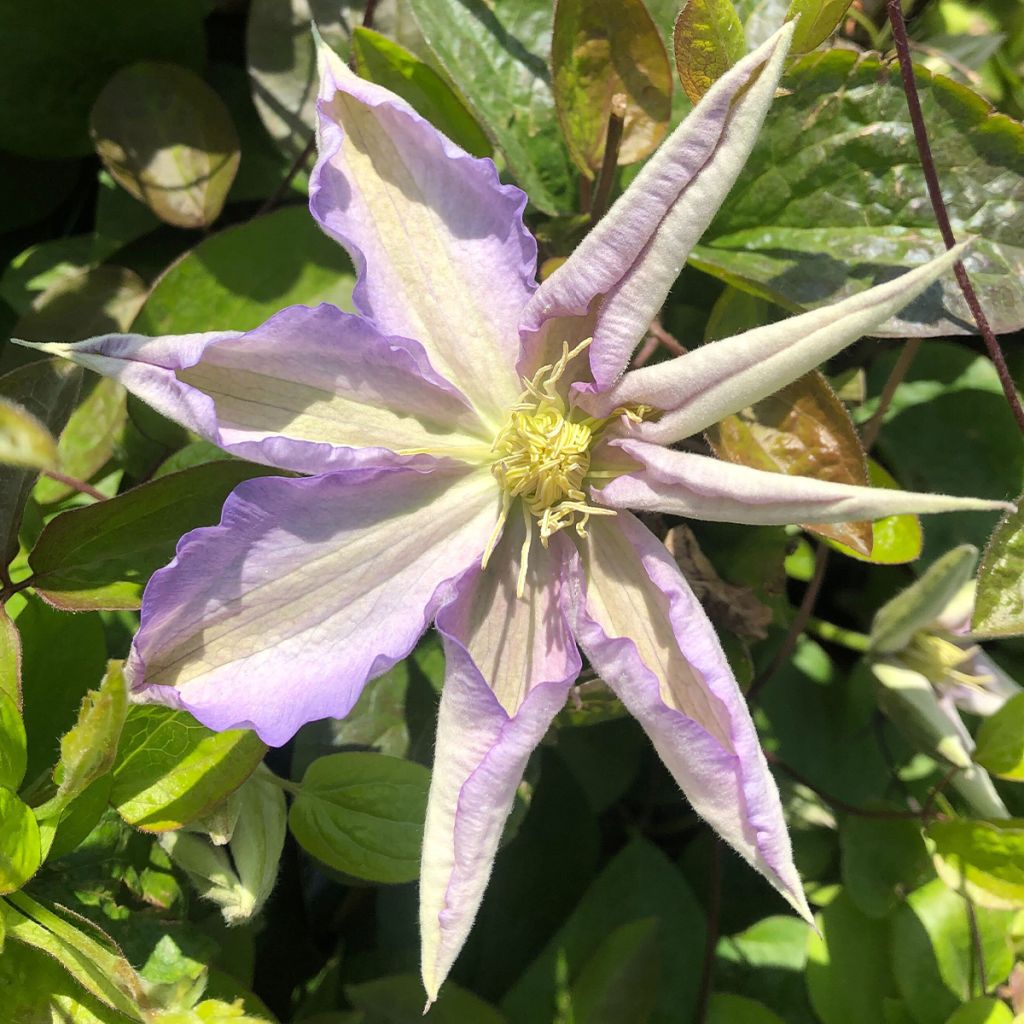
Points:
[(931, 177), (76, 485)]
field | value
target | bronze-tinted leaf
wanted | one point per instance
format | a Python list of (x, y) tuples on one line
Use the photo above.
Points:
[(708, 40)]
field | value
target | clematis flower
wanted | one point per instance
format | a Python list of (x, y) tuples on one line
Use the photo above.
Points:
[(474, 443), (929, 669)]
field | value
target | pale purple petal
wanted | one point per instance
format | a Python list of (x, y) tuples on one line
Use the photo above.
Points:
[(438, 242), (309, 390), (648, 637), (634, 254), (306, 589), (510, 663), (722, 377), (983, 698), (701, 487)]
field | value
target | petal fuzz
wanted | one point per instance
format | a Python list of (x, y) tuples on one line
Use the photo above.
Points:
[(306, 589), (510, 663), (635, 253), (648, 637), (439, 243), (701, 487), (305, 391), (722, 377)]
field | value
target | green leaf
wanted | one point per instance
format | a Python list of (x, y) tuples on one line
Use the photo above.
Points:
[(600, 50), (894, 539), (931, 951), (239, 277), (982, 1011), (10, 658), (88, 441), (95, 963), (384, 62), (881, 860), (498, 60), (398, 999), (708, 40), (167, 138), (999, 605), (818, 20), (24, 441), (920, 604), (982, 859), (80, 47), (620, 981), (102, 555), (821, 210), (848, 965), (1000, 741), (47, 390), (729, 1009), (171, 770), (13, 756), (19, 842), (638, 884), (363, 814)]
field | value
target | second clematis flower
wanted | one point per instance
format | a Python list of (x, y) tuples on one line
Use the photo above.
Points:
[(473, 443)]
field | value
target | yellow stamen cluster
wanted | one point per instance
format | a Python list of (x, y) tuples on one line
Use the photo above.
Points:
[(939, 659)]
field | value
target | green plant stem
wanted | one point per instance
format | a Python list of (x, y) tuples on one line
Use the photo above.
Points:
[(833, 634)]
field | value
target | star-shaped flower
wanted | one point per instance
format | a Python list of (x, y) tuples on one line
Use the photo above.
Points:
[(474, 442)]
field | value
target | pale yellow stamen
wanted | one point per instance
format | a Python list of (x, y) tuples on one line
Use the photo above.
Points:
[(939, 660)]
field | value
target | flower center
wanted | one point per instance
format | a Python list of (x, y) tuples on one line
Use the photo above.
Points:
[(940, 660)]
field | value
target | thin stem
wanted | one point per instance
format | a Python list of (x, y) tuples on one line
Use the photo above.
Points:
[(9, 589), (929, 804), (707, 973), (797, 626), (368, 12), (931, 177), (610, 163), (894, 380), (274, 199), (75, 484), (833, 634)]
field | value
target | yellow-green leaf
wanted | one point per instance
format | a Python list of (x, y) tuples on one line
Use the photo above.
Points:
[(818, 20), (19, 842), (708, 39), (1000, 746), (999, 606), (24, 441), (981, 859)]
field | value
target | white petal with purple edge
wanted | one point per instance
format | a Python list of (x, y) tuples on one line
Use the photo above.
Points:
[(639, 247), (722, 377), (649, 639), (302, 391), (306, 589), (510, 663), (439, 243), (702, 487)]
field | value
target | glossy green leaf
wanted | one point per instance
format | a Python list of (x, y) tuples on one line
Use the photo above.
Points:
[(102, 555), (87, 302), (80, 47), (398, 999), (999, 605), (708, 40), (730, 1009), (166, 137), (638, 883), (818, 20), (239, 277), (931, 950), (506, 41), (47, 390), (89, 439), (385, 62), (881, 860), (171, 770), (600, 50), (363, 814), (983, 1011), (24, 441), (1000, 741), (89, 956), (848, 965), (983, 859), (19, 842), (820, 211), (13, 749), (920, 604)]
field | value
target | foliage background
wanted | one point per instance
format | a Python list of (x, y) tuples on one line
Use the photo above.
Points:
[(168, 196)]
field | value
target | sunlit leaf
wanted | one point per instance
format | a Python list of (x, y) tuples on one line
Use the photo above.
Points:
[(818, 20), (24, 441), (999, 605), (19, 842), (983, 860), (13, 756), (167, 138), (1000, 746), (708, 40)]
